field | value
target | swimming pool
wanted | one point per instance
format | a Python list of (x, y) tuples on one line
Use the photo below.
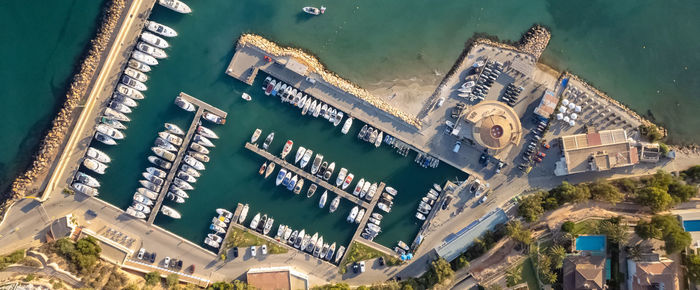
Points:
[(591, 243), (692, 226)]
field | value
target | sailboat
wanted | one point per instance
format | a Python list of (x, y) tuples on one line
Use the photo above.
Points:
[(307, 157), (322, 201), (300, 154), (244, 213)]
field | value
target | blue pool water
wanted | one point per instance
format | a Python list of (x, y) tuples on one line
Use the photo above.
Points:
[(692, 226), (591, 243)]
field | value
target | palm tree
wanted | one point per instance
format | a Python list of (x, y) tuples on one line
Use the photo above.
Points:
[(514, 276), (558, 253)]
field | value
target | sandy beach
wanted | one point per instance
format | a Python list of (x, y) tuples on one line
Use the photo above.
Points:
[(408, 94)]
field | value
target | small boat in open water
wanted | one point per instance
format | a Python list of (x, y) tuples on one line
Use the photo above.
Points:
[(313, 10), (246, 97)]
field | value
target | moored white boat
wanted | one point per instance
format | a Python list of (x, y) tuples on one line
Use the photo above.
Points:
[(358, 187), (133, 63), (129, 92), (112, 123), (211, 117), (175, 5), (190, 170), (339, 254), (185, 105), (131, 82), (160, 162), (147, 193), (206, 132), (151, 50), (334, 204), (254, 222), (94, 165), (98, 155), (144, 57), (210, 242), (306, 158), (119, 107), (353, 214), (142, 199), (270, 169), (191, 161), (329, 171), (165, 154), (203, 140), (348, 180), (341, 176), (125, 100), (170, 212), (268, 140), (174, 129), (84, 189), (324, 198), (199, 148), (280, 176), (359, 216), (338, 118), (317, 163), (300, 154), (137, 214), (87, 179), (244, 213), (256, 136), (287, 148), (156, 172), (160, 29), (154, 40), (109, 112)]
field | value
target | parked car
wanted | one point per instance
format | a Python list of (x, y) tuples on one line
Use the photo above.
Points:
[(166, 262), (545, 145), (253, 251), (178, 266), (264, 249), (153, 258), (475, 186), (538, 160), (457, 146), (446, 202), (541, 154), (381, 261), (362, 266), (355, 267), (235, 252), (140, 254), (483, 199), (483, 159), (499, 166)]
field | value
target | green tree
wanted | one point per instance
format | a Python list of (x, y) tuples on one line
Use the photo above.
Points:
[(406, 287), (516, 231), (557, 253), (566, 192), (514, 276), (651, 132), (172, 280), (152, 278), (626, 185), (460, 262), (530, 207), (693, 265), (568, 226), (676, 241), (661, 179), (663, 148), (655, 198), (604, 191), (363, 287), (646, 230), (439, 272), (29, 277), (614, 229), (692, 174), (681, 192), (667, 228)]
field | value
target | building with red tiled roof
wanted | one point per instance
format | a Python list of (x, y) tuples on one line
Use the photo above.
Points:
[(652, 272), (598, 151), (584, 272)]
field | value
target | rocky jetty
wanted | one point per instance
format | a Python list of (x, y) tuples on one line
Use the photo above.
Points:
[(535, 41), (51, 143), (315, 66)]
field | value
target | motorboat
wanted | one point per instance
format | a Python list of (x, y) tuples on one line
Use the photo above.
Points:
[(94, 165), (298, 98), (104, 139), (368, 135), (329, 171), (282, 91), (300, 153), (162, 143), (287, 148), (261, 171), (199, 148), (119, 107), (153, 51), (206, 132), (339, 254), (182, 184), (391, 190), (324, 251), (383, 207), (133, 63), (374, 228), (420, 216), (261, 224), (338, 118), (244, 213), (268, 225), (203, 140), (147, 193), (317, 163), (217, 229), (160, 162), (113, 114), (373, 136), (324, 198), (313, 10), (129, 102), (142, 208), (302, 102), (324, 111), (312, 107), (341, 176), (334, 204), (359, 216), (363, 132), (144, 57), (292, 182), (287, 178), (377, 215), (293, 238), (175, 5), (160, 29), (379, 139), (348, 180), (152, 178), (268, 140), (185, 105), (178, 191), (112, 123), (318, 247), (150, 185), (129, 92), (133, 83), (246, 97), (374, 221), (318, 109), (280, 232), (142, 199), (256, 136), (215, 238), (353, 214), (166, 210), (280, 176), (270, 168), (305, 108), (307, 157), (270, 87), (172, 128), (162, 153), (186, 177), (85, 189), (256, 220), (332, 115), (358, 187), (322, 169), (199, 156), (372, 191), (190, 170), (312, 243), (154, 40), (98, 155), (287, 234), (301, 241), (276, 89), (134, 213), (211, 117), (175, 198), (330, 253), (312, 190), (299, 186), (437, 187)]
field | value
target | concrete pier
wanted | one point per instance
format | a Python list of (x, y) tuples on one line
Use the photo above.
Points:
[(201, 108), (310, 177)]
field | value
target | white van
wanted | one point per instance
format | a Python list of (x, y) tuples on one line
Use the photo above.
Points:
[(457, 145)]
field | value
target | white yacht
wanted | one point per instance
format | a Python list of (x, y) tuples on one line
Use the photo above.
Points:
[(84, 189), (346, 125), (170, 212), (160, 29), (341, 177), (154, 40), (151, 50), (98, 155), (175, 5), (129, 92), (139, 65), (144, 57), (307, 157), (185, 105), (94, 165)]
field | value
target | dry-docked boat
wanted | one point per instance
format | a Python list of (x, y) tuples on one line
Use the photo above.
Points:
[(119, 107), (98, 155), (137, 214), (199, 148), (322, 201), (317, 163), (268, 140), (196, 164), (341, 176), (175, 5), (190, 170), (135, 74), (287, 148), (255, 136), (129, 102), (185, 105), (329, 171), (162, 143), (112, 123), (129, 92), (270, 168), (129, 81), (160, 29), (203, 140), (358, 187), (94, 165), (151, 50), (84, 189), (300, 154), (307, 157), (170, 137), (154, 40), (348, 180), (87, 179), (147, 193), (198, 156), (144, 57), (133, 63), (170, 212), (334, 204), (206, 132), (160, 162), (111, 113), (211, 117)]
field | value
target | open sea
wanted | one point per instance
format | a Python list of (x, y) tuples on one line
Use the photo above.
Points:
[(643, 53)]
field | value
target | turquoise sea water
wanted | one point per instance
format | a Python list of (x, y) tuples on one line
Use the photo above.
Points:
[(644, 53)]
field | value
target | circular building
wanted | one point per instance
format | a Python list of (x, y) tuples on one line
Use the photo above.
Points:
[(494, 125)]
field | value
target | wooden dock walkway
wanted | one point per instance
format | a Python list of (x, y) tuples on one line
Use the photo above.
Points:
[(201, 108), (310, 177)]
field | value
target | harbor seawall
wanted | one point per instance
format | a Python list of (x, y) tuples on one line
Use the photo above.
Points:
[(315, 66), (54, 138)]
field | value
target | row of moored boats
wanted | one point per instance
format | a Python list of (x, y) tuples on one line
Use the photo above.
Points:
[(219, 226), (428, 202)]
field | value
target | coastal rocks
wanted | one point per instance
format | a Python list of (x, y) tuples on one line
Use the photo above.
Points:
[(51, 143), (535, 41), (315, 66)]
